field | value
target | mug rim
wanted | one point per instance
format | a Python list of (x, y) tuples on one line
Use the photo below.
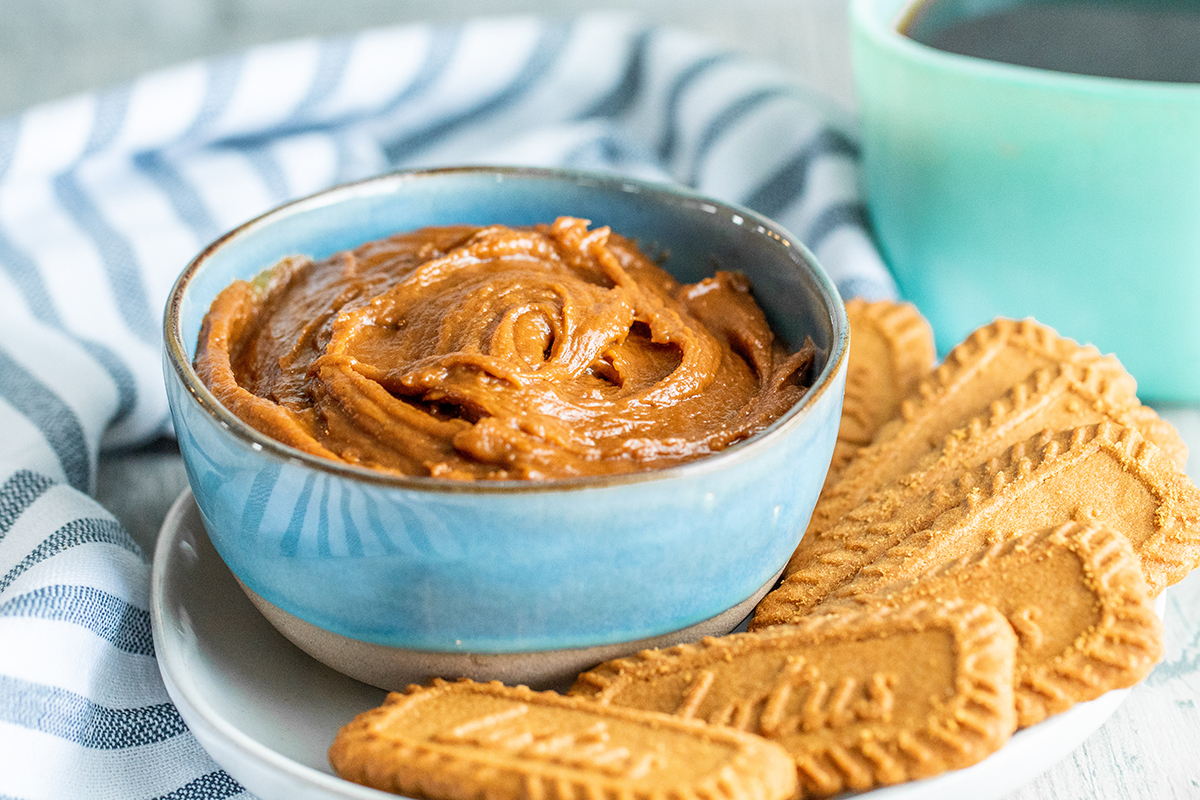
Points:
[(176, 352), (866, 18)]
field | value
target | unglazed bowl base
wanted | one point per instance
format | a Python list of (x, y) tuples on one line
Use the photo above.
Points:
[(394, 668)]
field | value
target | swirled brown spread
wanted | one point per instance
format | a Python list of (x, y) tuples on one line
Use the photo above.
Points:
[(501, 353)]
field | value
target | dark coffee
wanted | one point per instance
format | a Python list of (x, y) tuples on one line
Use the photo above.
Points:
[(1150, 40)]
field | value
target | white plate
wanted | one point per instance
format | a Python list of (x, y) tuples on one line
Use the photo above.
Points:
[(267, 712)]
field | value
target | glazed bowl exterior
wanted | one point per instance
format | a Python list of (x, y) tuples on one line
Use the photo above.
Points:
[(509, 567), (1003, 190)]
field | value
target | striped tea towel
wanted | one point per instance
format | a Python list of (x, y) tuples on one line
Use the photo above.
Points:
[(105, 197)]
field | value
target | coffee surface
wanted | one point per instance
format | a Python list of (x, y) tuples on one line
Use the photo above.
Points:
[(1148, 41)]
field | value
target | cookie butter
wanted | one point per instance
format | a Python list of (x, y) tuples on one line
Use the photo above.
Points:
[(465, 352)]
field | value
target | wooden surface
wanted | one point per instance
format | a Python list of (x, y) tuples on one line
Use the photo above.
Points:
[(1150, 748)]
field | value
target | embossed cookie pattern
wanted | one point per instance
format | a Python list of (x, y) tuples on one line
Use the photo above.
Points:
[(1076, 598), (1065, 396), (454, 741), (974, 375), (859, 699), (1098, 472)]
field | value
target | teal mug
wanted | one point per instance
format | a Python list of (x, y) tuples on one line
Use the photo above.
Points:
[(1004, 190)]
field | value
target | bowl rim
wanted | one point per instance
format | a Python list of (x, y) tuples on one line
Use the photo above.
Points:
[(886, 33), (384, 183)]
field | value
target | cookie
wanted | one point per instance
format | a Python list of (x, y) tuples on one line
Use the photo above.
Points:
[(463, 740), (975, 375), (1103, 472), (859, 700), (891, 350), (1076, 598), (1061, 397)]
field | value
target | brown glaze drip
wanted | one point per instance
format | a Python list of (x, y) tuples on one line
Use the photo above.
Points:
[(498, 353)]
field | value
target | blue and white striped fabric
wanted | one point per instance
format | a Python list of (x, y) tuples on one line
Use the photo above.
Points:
[(105, 197)]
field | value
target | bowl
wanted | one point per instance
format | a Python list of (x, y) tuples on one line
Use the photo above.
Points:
[(395, 579), (1004, 190)]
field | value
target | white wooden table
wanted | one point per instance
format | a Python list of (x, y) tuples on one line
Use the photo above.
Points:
[(1149, 749)]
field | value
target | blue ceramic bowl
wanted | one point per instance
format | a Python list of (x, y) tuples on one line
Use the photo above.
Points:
[(489, 569)]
